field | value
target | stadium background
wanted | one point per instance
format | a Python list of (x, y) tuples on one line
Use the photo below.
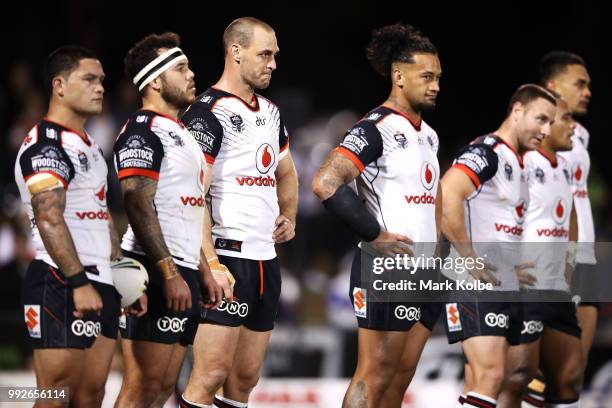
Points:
[(323, 84)]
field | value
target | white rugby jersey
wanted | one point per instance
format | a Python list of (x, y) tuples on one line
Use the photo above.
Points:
[(495, 212), (244, 143), (547, 219), (580, 165), (77, 161), (399, 176), (156, 146)]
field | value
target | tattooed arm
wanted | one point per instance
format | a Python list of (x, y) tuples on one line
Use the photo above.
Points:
[(336, 171), (48, 207), (138, 195)]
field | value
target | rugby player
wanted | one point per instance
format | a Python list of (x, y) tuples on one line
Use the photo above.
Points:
[(485, 198), (70, 304), (253, 200), (163, 179), (390, 149), (550, 336)]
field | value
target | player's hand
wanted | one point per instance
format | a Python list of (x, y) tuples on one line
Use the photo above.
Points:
[(526, 280), (485, 274), (139, 307), (212, 293), (284, 229), (86, 300), (178, 295), (224, 278), (391, 244)]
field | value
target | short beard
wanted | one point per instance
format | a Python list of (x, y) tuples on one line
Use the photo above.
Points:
[(174, 96)]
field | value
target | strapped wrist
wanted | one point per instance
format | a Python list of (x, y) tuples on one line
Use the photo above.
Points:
[(167, 268), (77, 280)]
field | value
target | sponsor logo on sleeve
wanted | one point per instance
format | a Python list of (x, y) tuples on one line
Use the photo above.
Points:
[(51, 159), (474, 158), (136, 153), (355, 141)]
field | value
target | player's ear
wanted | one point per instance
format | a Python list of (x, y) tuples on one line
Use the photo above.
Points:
[(397, 78), (517, 110), (235, 52), (57, 85), (156, 84)]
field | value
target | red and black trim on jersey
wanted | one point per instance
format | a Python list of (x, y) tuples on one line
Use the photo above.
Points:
[(47, 155), (362, 144), (138, 150), (478, 160), (552, 158)]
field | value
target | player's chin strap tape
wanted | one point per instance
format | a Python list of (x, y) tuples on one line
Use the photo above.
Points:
[(350, 209), (157, 67), (77, 280)]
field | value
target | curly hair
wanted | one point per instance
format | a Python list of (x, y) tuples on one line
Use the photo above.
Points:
[(145, 51), (396, 43)]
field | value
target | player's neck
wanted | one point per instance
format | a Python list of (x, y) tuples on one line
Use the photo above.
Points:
[(508, 135), (159, 105), (67, 117), (547, 149), (236, 87), (400, 104)]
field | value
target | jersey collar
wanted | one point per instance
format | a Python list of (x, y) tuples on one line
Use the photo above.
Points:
[(253, 106), (551, 158), (82, 135), (416, 124)]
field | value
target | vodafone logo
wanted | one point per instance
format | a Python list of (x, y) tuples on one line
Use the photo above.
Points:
[(193, 201), (559, 211), (509, 229), (425, 198), (92, 215), (553, 232), (265, 158), (256, 181), (428, 175), (519, 211)]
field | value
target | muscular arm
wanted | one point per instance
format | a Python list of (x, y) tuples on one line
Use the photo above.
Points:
[(207, 249), (456, 188), (287, 187), (573, 230), (49, 209), (138, 196), (336, 171)]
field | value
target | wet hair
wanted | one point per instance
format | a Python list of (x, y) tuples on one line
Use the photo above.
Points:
[(241, 31), (528, 93), (556, 62), (63, 61), (146, 50), (396, 43)]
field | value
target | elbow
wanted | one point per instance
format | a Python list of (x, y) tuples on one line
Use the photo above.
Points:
[(318, 188)]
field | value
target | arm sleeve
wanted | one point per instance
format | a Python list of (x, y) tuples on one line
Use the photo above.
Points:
[(362, 144), (138, 152), (478, 161), (205, 129), (47, 157)]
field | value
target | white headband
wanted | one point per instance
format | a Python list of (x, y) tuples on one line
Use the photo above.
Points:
[(156, 67)]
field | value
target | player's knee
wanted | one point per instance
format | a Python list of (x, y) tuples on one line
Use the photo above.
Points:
[(246, 380), (490, 376), (211, 380), (567, 386), (519, 379)]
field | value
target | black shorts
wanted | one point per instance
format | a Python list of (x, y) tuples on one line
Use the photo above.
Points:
[(256, 295), (584, 286), (556, 315), (160, 324), (388, 315), (473, 319), (48, 307)]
